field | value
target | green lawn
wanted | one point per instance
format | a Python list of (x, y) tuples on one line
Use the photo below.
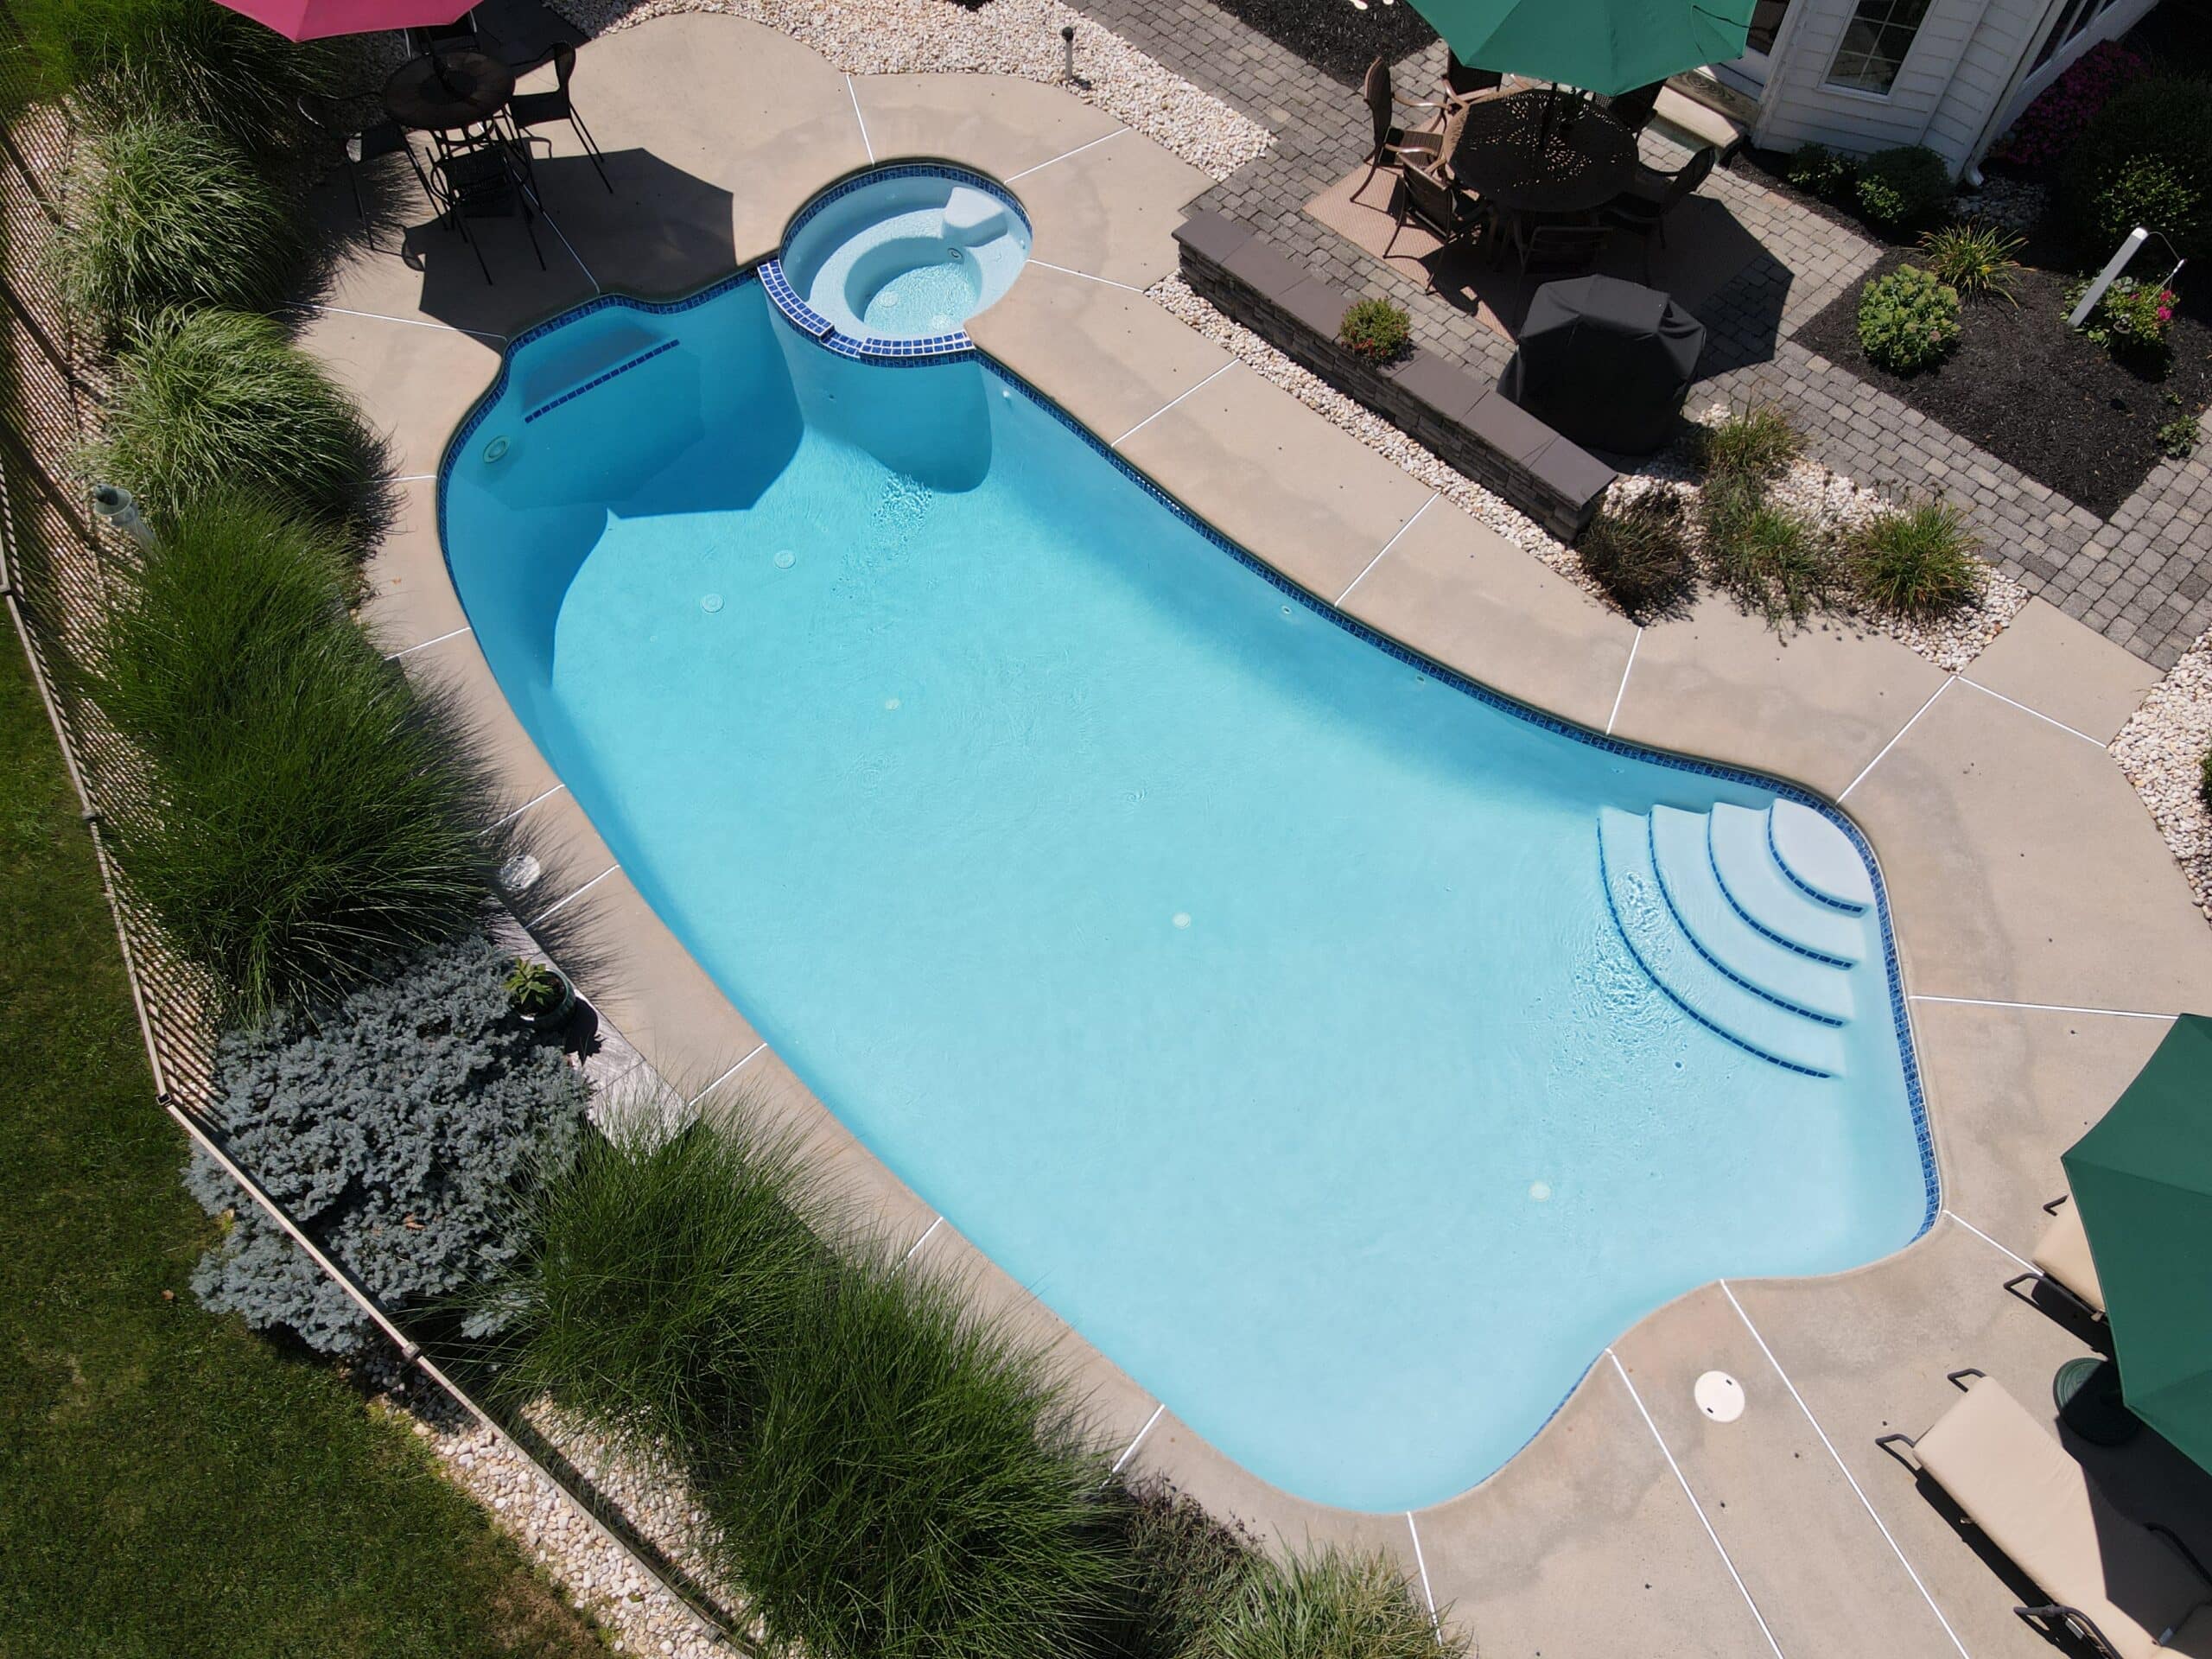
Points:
[(170, 1484)]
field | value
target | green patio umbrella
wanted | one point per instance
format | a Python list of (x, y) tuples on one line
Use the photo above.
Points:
[(2142, 1179), (1601, 45)]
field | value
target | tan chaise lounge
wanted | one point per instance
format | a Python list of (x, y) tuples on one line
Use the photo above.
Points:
[(2062, 1259), (2132, 1591)]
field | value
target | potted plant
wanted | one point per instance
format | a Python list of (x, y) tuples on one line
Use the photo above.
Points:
[(539, 992)]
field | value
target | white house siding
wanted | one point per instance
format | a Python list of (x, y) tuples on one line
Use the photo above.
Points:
[(1960, 65)]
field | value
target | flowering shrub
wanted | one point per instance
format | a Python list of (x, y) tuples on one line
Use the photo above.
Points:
[(2052, 123), (2132, 318), (1907, 320), (1377, 329)]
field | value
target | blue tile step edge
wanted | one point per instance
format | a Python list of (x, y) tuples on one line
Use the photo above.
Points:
[(1819, 857), (1682, 855), (1656, 939), (1773, 900)]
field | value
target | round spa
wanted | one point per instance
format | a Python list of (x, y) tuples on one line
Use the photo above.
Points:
[(900, 257)]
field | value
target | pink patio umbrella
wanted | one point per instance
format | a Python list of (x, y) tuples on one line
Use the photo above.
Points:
[(315, 20)]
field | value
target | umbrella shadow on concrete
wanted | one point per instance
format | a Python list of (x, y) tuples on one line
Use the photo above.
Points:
[(1709, 264), (659, 232)]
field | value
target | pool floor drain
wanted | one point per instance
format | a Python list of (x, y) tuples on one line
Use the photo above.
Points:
[(1182, 918), (786, 558)]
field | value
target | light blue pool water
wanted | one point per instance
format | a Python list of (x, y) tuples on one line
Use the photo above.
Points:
[(1289, 1018)]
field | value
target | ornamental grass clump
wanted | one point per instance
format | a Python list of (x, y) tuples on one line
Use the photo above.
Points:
[(1751, 445), (1917, 561), (170, 213), (209, 400), (1331, 1604), (884, 1473), (1639, 552), (1774, 561), (126, 61), (305, 816), (1907, 320), (397, 1127), (1973, 257)]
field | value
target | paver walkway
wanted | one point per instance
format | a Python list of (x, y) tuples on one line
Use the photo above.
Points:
[(2143, 578)]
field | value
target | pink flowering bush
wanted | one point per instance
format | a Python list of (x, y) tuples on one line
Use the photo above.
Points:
[(2052, 123), (2132, 318)]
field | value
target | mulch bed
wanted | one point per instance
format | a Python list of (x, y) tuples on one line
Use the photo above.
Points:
[(1335, 36), (2033, 392)]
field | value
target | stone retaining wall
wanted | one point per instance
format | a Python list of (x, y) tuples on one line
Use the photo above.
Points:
[(1470, 425)]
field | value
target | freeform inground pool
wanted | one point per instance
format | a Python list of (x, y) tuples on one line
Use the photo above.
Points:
[(1347, 1053)]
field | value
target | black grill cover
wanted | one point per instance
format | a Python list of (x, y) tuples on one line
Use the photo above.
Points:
[(1605, 362)]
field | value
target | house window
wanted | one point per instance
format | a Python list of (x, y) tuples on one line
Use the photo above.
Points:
[(1875, 44), (1766, 23)]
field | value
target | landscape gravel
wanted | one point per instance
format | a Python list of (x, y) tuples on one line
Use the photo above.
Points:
[(2162, 751), (1834, 502), (600, 1577), (1003, 37)]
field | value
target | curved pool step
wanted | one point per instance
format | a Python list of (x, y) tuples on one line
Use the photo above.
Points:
[(1814, 852), (1769, 899), (1683, 858), (1655, 936)]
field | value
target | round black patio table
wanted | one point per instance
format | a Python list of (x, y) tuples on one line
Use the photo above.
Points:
[(456, 88), (1543, 153)]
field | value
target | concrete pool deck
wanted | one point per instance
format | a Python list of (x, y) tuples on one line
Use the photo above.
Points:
[(2046, 935)]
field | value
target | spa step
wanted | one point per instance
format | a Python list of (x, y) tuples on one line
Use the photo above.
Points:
[(1802, 983), (1770, 899), (1656, 939), (973, 216), (1815, 854)]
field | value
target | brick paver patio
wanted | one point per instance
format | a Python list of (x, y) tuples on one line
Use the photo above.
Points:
[(2143, 578)]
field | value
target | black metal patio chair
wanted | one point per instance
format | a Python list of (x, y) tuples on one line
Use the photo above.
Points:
[(528, 110)]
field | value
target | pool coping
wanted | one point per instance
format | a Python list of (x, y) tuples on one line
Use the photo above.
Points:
[(1782, 788)]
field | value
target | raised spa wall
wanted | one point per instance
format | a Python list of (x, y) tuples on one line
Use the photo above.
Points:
[(1470, 425)]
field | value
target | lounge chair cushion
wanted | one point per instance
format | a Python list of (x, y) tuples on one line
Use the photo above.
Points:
[(2062, 1252), (2023, 1489)]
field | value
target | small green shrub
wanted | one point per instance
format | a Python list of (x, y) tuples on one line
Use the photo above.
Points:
[(170, 213), (1819, 171), (2146, 191), (2145, 156), (1377, 329), (2176, 438), (127, 61), (208, 400), (1774, 562), (1917, 562), (1973, 257), (1902, 189), (1754, 443), (2204, 779), (1332, 1605), (396, 1127), (1907, 320), (306, 816), (1639, 552), (2131, 320)]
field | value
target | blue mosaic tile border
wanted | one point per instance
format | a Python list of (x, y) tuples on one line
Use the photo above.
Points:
[(1899, 1014), (573, 392), (876, 348)]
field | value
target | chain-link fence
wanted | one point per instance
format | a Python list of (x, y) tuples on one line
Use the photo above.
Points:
[(59, 563)]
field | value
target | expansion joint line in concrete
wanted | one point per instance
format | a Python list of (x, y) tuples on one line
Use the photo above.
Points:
[(1858, 1490), (1894, 741), (757, 1049), (2047, 720), (1171, 403), (1627, 669), (1388, 545), (1069, 270), (867, 142), (928, 1232), (424, 644), (1427, 1594), (561, 903), (1130, 1450), (1065, 154), (2012, 1255), (1682, 1480)]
